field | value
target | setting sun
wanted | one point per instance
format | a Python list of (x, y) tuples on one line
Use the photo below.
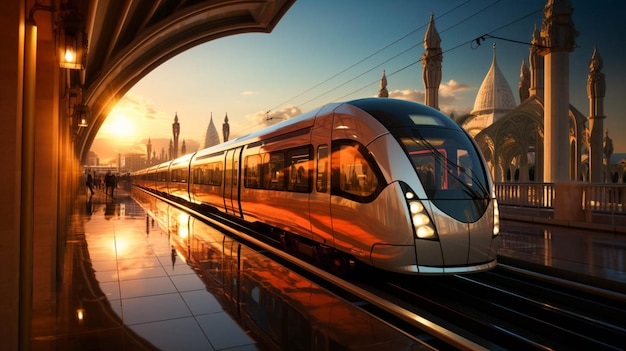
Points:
[(117, 125)]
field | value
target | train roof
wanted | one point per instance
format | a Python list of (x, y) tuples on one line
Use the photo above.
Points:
[(391, 113)]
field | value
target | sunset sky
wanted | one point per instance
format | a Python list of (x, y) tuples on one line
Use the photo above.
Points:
[(324, 51)]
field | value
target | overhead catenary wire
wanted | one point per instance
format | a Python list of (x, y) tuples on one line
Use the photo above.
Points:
[(390, 74), (467, 18), (368, 57), (449, 50)]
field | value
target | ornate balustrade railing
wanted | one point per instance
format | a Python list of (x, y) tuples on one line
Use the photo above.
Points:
[(605, 198), (599, 198), (539, 195)]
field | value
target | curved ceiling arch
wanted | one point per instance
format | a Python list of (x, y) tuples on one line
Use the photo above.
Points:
[(147, 34)]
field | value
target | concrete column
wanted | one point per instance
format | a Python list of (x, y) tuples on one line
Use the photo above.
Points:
[(11, 90), (46, 184)]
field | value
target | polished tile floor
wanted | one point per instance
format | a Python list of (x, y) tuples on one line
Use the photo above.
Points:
[(590, 256), (130, 284), (133, 278)]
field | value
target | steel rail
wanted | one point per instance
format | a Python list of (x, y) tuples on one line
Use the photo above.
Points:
[(407, 316)]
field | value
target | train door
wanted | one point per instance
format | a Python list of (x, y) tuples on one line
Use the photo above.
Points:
[(319, 201), (231, 182)]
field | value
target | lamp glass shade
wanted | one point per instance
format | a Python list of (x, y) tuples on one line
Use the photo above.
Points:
[(71, 48)]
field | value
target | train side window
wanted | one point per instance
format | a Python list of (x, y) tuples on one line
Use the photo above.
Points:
[(274, 171), (355, 174), (265, 172), (322, 169), (299, 176), (252, 172), (173, 176), (215, 173)]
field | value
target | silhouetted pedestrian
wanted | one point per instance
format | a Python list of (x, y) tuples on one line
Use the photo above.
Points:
[(109, 182), (89, 182)]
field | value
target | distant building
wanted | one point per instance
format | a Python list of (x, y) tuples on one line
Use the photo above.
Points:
[(92, 159), (211, 137), (525, 141), (132, 162)]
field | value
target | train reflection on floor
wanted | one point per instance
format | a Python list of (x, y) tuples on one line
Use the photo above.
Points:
[(274, 306)]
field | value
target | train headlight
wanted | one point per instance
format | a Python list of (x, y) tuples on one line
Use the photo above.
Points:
[(423, 226), (420, 219), (416, 207), (496, 218), (425, 232)]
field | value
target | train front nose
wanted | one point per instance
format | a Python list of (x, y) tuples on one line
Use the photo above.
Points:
[(460, 247)]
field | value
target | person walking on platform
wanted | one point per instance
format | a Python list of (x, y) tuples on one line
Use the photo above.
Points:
[(109, 182), (89, 182)]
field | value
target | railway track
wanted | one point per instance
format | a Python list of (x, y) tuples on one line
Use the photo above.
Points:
[(514, 309), (506, 309)]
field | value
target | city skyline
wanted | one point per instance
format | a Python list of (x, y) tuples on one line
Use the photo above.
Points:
[(323, 51)]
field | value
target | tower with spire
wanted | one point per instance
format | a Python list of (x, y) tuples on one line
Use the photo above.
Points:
[(176, 134), (383, 92), (524, 82), (226, 128), (431, 65), (535, 60), (149, 152), (596, 87)]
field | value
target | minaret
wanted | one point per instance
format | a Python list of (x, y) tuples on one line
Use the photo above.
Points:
[(383, 86), (596, 87), (535, 60), (226, 128), (431, 65), (524, 83), (149, 152), (608, 151), (183, 148), (558, 40), (176, 133)]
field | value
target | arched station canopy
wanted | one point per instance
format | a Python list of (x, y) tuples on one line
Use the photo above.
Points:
[(128, 39)]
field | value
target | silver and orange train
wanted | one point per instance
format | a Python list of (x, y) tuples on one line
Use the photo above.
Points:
[(390, 183)]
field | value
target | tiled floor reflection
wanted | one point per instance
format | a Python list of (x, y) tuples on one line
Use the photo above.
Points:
[(595, 255), (154, 292), (138, 279)]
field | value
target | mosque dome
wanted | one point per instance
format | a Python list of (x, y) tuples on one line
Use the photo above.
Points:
[(495, 96), (211, 137)]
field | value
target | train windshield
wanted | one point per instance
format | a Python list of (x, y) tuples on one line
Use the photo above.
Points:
[(444, 157), (447, 164), (450, 170)]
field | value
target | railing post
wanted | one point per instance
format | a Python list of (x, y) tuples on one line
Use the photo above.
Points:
[(568, 201)]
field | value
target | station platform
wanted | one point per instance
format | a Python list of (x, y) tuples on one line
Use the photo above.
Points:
[(127, 286)]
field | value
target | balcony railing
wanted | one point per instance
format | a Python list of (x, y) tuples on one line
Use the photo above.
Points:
[(597, 198)]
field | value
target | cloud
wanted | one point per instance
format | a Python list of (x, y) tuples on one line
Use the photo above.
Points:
[(265, 118), (450, 97), (408, 94), (248, 93), (138, 105), (452, 87)]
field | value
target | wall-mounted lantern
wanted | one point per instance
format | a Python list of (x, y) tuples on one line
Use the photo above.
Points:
[(71, 40), (82, 115)]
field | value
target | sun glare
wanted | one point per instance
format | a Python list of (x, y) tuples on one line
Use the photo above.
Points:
[(118, 125)]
